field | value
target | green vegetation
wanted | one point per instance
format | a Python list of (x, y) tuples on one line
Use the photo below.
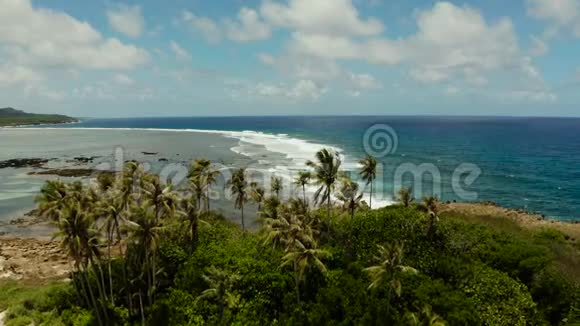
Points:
[(146, 253), (12, 117)]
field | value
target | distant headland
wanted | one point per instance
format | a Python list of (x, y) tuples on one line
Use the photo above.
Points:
[(10, 117)]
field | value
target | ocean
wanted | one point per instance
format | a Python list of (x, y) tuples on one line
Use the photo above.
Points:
[(527, 163)]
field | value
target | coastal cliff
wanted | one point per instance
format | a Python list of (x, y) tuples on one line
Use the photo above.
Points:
[(10, 117)]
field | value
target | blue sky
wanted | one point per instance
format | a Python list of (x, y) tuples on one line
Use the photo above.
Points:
[(285, 57)]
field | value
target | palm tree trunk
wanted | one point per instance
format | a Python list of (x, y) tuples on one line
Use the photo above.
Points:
[(207, 199), (147, 272), (328, 207), (243, 225), (296, 280), (80, 290), (221, 309), (141, 308), (92, 296), (371, 198), (100, 279), (110, 244), (125, 281), (110, 272), (153, 276), (193, 229), (304, 194)]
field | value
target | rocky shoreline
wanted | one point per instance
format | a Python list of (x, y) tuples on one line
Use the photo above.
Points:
[(522, 218), (32, 259)]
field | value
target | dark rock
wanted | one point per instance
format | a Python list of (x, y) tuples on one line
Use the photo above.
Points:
[(149, 153), (32, 213), (163, 159), (23, 163), (82, 159), (72, 172)]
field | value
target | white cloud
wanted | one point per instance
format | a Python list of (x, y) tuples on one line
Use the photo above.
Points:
[(329, 17), (539, 47), (299, 91), (11, 75), (451, 90), (306, 89), (123, 79), (180, 53), (249, 28), (303, 67), (427, 75), (363, 81), (532, 96), (97, 91), (561, 13), (38, 37), (204, 25), (109, 54), (321, 71), (127, 20), (450, 42), (48, 93), (353, 93)]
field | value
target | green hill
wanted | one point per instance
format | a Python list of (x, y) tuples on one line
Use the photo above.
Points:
[(13, 117)]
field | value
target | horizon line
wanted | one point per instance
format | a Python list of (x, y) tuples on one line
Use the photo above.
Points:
[(340, 115)]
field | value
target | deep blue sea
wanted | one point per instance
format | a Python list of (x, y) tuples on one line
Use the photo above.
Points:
[(529, 163)]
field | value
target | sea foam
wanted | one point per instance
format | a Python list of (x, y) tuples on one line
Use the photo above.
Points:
[(295, 151)]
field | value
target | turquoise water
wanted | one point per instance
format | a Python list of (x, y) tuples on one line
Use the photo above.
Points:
[(530, 163)]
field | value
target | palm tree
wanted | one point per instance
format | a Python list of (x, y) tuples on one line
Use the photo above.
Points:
[(257, 194), (302, 180), (211, 176), (275, 230), (131, 174), (79, 240), (52, 199), (238, 186), (221, 289), (389, 269), (326, 172), (145, 233), (276, 184), (349, 196), (196, 187), (426, 317), (105, 181), (430, 206), (405, 196), (205, 175), (110, 208), (188, 209), (304, 258), (160, 196), (369, 173), (269, 208)]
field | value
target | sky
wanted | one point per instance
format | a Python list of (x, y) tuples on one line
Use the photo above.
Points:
[(120, 58)]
